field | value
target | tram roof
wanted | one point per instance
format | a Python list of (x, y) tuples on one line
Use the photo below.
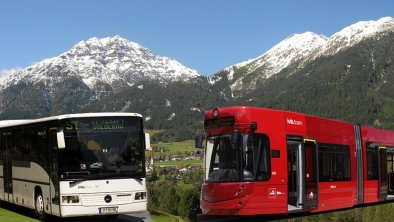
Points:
[(8, 123)]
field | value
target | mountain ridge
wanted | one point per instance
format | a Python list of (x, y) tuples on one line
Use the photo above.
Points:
[(105, 60), (355, 83), (297, 50)]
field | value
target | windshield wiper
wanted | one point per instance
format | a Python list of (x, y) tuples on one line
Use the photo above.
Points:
[(73, 182), (76, 181), (77, 173)]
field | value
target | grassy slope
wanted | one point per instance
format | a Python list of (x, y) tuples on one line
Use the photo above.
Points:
[(8, 216), (173, 148), (153, 132), (179, 163)]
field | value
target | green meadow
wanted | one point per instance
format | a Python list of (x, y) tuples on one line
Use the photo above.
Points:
[(9, 216)]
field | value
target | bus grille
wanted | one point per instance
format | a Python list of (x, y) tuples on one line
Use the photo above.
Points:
[(98, 199)]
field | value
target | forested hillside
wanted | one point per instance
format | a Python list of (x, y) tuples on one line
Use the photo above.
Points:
[(355, 85)]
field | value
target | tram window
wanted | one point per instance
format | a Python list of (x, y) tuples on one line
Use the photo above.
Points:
[(372, 163), (390, 161), (334, 163), (257, 162)]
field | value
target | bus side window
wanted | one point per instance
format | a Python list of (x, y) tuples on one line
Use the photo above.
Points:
[(17, 144), (38, 144)]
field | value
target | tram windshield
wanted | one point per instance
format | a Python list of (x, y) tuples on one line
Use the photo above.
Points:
[(237, 157)]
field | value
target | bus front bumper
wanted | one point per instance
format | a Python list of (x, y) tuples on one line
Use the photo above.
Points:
[(77, 211)]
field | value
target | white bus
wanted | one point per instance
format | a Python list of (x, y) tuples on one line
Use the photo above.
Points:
[(75, 165)]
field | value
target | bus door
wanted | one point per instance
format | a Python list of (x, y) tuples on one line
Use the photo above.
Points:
[(382, 166), (7, 169), (53, 169), (302, 174)]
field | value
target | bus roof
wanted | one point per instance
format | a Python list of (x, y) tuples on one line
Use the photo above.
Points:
[(7, 123)]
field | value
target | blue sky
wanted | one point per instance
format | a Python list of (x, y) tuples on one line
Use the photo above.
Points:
[(205, 35)]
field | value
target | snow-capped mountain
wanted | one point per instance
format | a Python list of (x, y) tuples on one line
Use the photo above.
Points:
[(106, 60), (299, 49), (89, 73), (296, 48), (355, 33)]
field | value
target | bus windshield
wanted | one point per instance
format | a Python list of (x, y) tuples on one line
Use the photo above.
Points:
[(244, 158), (102, 147)]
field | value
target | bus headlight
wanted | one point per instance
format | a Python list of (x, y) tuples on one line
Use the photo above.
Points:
[(140, 196), (74, 199)]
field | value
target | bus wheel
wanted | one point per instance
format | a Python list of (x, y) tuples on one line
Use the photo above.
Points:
[(39, 207)]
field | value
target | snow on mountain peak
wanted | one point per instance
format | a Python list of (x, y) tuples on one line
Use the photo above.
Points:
[(355, 33), (295, 48), (118, 55), (299, 41), (300, 48), (106, 60), (96, 45)]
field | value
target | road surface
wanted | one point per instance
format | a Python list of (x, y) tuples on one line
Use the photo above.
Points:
[(137, 217)]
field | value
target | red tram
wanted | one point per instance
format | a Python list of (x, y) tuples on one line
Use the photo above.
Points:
[(263, 161)]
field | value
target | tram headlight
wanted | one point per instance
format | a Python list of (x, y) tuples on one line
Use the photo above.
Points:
[(140, 196), (215, 112), (73, 199)]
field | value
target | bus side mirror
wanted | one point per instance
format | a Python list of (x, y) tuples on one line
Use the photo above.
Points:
[(198, 141), (147, 141), (61, 143)]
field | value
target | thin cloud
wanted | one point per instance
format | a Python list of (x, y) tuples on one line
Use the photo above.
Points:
[(4, 72)]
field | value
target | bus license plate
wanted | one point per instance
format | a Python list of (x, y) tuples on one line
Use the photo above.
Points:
[(108, 210)]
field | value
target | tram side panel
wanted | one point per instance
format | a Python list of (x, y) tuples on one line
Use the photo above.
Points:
[(372, 139), (270, 197), (336, 145)]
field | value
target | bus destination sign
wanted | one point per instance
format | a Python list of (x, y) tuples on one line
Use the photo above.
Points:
[(107, 124), (96, 124)]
